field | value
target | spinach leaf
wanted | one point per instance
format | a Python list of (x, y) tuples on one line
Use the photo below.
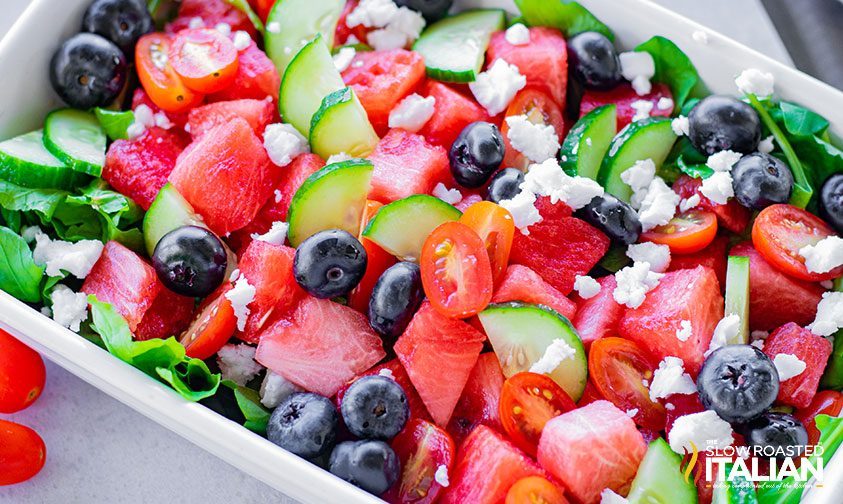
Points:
[(568, 17), (673, 68), (614, 259), (19, 275), (833, 375), (42, 201), (115, 123), (13, 219), (800, 121), (688, 106), (249, 402), (823, 158), (700, 171)]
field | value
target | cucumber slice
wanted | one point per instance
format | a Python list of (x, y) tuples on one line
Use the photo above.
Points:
[(737, 295), (454, 48), (520, 334), (25, 161), (342, 125), (76, 138), (660, 480), (293, 23), (168, 211), (587, 142), (332, 198), (115, 123), (402, 226), (310, 77), (737, 491), (649, 138)]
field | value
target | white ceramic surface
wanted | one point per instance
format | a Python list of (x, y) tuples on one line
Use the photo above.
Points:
[(26, 96)]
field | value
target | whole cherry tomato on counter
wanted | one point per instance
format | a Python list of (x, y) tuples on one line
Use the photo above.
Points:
[(22, 453), (22, 374)]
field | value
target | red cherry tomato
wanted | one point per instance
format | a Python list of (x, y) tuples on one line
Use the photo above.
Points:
[(619, 370), (22, 453), (535, 490), (456, 272), (780, 231), (826, 402), (212, 329), (205, 59), (22, 374), (162, 84), (686, 233), (421, 447), (494, 225), (540, 109), (528, 402)]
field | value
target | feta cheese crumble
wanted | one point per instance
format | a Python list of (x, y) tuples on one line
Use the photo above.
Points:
[(412, 113), (586, 286), (700, 37), (608, 496), (767, 146), (658, 206), (754, 81), (718, 187), (441, 476), (275, 389), (273, 27), (558, 351), (495, 88), (688, 203), (237, 363), (829, 316), (523, 210), (396, 26), (240, 296), (343, 58), (701, 430), (726, 330), (372, 14), (241, 40), (639, 175), (824, 256), (337, 158), (788, 366), (283, 143), (638, 67), (685, 330), (539, 142), (631, 412), (196, 22), (386, 373), (56, 256), (223, 28), (276, 235), (549, 179), (634, 282), (664, 103), (680, 126), (657, 255), (642, 109), (723, 161), (450, 196), (670, 378), (70, 308), (517, 34)]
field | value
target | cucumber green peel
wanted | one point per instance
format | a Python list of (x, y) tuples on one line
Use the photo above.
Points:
[(659, 479), (293, 23), (25, 161), (737, 295), (587, 142), (342, 125), (77, 139)]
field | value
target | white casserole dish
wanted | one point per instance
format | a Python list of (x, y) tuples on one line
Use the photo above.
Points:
[(26, 96)]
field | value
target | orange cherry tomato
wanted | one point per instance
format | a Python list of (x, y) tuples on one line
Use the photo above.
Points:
[(22, 374), (455, 269), (162, 84), (205, 59), (22, 453), (540, 108), (686, 233), (535, 490), (528, 402), (212, 329), (621, 371), (494, 225), (780, 231), (826, 402)]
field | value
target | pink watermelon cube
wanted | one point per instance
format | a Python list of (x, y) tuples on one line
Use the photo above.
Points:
[(405, 164), (598, 317), (454, 111), (258, 113), (169, 315), (806, 346), (321, 346), (256, 78), (592, 448), (520, 283), (480, 399), (624, 96)]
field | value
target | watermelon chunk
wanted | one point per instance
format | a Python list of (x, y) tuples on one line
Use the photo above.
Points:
[(258, 113), (256, 78), (592, 448), (487, 465), (405, 164), (120, 277), (139, 168), (212, 13), (169, 315), (226, 176), (520, 283), (690, 294), (434, 346), (179, 119), (714, 256), (269, 268), (399, 374), (733, 216), (479, 401), (453, 112), (808, 347), (320, 347), (598, 317), (544, 61), (624, 96), (774, 297), (560, 247)]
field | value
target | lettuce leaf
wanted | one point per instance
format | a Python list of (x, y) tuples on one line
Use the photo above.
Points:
[(19, 275), (249, 402), (115, 123)]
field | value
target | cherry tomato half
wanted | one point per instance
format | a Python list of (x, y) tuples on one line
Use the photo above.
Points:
[(780, 231), (686, 233), (421, 447), (622, 371), (162, 84), (212, 328), (456, 272), (826, 402), (205, 59), (494, 225), (528, 402), (540, 109), (22, 453), (535, 490), (22, 374)]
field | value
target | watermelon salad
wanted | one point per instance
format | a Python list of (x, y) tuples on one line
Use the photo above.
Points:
[(455, 258)]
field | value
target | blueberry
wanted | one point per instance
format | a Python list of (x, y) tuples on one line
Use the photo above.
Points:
[(776, 431), (190, 261), (476, 153), (719, 123), (375, 407), (738, 382), (614, 217), (88, 71), (432, 10), (330, 263), (761, 180), (505, 185), (396, 297), (120, 21), (593, 61), (304, 424), (370, 465), (831, 202)]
